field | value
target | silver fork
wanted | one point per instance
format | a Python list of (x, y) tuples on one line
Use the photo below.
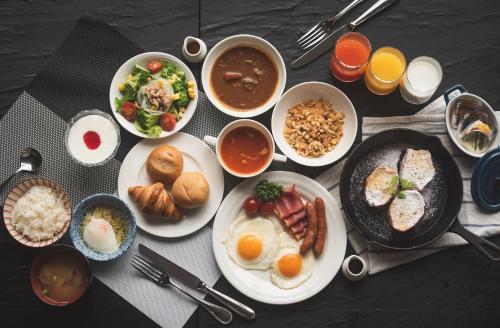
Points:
[(155, 274), (321, 30)]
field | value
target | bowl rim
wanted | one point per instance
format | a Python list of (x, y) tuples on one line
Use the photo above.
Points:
[(82, 114), (129, 240), (60, 234), (44, 252), (190, 109), (454, 138), (313, 162), (279, 89)]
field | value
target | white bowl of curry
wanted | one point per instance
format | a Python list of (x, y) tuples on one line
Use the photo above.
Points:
[(243, 75)]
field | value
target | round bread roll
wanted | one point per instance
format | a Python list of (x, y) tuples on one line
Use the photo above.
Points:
[(165, 164), (190, 190)]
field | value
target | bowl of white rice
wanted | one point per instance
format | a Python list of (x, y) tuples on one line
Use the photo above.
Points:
[(37, 212)]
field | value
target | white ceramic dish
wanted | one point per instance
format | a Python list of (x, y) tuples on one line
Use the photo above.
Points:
[(127, 68), (257, 284), (243, 40), (315, 90), (450, 109), (197, 157)]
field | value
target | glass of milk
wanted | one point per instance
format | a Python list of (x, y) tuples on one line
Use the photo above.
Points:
[(421, 79)]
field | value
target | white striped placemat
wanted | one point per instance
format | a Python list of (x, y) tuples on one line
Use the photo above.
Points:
[(429, 120)]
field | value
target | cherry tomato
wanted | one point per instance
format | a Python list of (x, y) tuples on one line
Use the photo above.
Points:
[(167, 122), (154, 66), (129, 111), (266, 207), (251, 205)]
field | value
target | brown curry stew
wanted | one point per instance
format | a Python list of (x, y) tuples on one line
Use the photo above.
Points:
[(244, 78)]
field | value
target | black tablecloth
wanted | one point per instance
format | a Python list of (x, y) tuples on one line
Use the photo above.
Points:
[(456, 288)]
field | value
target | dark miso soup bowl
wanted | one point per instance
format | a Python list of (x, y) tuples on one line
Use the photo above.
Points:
[(52, 251)]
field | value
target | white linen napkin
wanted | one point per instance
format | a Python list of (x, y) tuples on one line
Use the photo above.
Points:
[(429, 120)]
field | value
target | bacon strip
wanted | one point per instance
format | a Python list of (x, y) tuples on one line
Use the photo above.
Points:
[(294, 218), (298, 227), (291, 210)]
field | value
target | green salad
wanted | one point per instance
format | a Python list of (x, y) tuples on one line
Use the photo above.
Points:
[(155, 97)]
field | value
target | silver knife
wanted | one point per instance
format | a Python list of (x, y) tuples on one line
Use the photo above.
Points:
[(193, 281), (329, 41)]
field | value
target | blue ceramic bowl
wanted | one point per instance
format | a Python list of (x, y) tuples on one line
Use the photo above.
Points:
[(88, 204)]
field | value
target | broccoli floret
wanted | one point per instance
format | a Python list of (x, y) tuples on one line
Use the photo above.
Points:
[(146, 120), (142, 78), (128, 94), (147, 124), (183, 98), (179, 72), (138, 80), (154, 131), (179, 86)]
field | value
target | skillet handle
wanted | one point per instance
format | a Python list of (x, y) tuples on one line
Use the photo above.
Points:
[(447, 93), (489, 249)]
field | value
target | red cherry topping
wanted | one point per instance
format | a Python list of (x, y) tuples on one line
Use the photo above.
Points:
[(92, 140)]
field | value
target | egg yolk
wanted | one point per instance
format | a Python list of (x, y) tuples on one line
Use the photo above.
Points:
[(290, 265), (249, 246)]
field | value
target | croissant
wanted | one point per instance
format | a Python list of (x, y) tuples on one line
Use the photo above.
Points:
[(154, 200)]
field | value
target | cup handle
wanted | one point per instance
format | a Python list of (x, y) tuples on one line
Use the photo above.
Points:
[(447, 93), (279, 158), (212, 141)]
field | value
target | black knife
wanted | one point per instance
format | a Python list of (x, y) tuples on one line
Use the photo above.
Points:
[(190, 280), (330, 40)]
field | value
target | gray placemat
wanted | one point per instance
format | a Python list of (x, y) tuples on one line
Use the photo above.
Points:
[(29, 123), (165, 306)]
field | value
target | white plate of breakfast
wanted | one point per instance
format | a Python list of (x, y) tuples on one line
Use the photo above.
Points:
[(173, 186), (279, 238), (314, 124)]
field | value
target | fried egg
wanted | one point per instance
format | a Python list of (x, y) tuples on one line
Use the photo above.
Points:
[(100, 236), (289, 268), (252, 243)]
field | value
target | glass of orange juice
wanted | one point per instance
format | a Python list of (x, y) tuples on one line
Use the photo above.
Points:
[(384, 70), (350, 56)]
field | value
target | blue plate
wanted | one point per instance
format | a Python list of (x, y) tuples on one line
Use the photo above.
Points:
[(87, 205)]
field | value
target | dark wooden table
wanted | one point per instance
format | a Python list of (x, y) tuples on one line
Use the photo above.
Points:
[(454, 288)]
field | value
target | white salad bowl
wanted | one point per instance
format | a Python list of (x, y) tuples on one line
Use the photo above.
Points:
[(127, 68), (254, 42), (315, 90)]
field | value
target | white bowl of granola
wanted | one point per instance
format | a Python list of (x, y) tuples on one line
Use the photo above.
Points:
[(314, 124)]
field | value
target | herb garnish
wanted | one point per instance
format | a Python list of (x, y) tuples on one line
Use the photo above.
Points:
[(407, 184), (268, 191)]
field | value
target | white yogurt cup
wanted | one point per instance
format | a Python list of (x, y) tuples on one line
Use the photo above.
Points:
[(92, 137)]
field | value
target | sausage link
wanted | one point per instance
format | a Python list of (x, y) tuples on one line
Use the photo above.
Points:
[(312, 229), (319, 245)]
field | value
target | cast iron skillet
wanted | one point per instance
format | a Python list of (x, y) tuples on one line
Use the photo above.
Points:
[(443, 195)]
